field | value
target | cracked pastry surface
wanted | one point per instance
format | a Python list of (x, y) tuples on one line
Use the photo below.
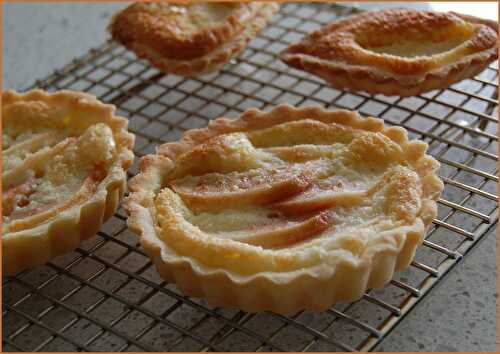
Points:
[(261, 212), (65, 157), (399, 52), (189, 38)]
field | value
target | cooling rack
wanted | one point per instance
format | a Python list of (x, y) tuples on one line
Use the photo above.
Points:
[(106, 295)]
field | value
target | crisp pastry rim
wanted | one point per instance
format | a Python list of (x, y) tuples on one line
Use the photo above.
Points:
[(83, 220), (199, 280), (376, 81), (214, 59)]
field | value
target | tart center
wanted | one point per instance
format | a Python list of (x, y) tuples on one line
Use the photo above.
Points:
[(187, 19), (262, 189), (416, 43), (47, 175)]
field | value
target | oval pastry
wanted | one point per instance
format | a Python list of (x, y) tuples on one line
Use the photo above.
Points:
[(292, 209), (65, 157), (189, 39), (398, 51)]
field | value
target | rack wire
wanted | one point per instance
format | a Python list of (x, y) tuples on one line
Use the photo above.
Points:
[(106, 295)]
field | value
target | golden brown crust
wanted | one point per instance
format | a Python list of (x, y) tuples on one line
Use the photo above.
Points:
[(192, 38), (397, 51), (170, 29), (29, 121), (252, 270)]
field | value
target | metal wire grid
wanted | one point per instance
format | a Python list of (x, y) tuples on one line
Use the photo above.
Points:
[(107, 296)]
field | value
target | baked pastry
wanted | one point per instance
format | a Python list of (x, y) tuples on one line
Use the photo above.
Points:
[(398, 51), (292, 209), (189, 38), (65, 157)]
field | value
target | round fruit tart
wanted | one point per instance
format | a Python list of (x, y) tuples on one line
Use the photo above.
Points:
[(65, 157), (291, 209)]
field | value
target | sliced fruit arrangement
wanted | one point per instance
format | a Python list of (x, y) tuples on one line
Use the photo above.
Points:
[(284, 202)]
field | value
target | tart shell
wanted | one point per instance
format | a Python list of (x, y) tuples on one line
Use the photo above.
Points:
[(282, 292), (205, 52), (362, 70), (37, 245)]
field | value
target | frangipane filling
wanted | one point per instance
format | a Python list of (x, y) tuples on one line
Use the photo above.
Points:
[(414, 44), (291, 186), (48, 172)]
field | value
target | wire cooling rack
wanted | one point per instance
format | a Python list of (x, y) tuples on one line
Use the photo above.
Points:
[(106, 296)]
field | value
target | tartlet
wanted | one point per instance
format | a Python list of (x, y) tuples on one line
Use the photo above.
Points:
[(65, 157), (398, 52), (292, 209), (189, 39)]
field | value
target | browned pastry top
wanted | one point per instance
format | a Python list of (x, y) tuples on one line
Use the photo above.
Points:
[(182, 31), (274, 188), (399, 41)]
